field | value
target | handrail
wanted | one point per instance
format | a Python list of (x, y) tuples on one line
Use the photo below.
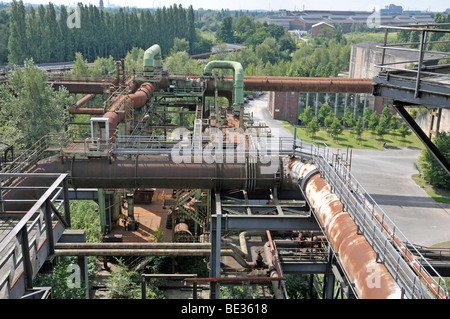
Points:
[(381, 232), (21, 247), (421, 51)]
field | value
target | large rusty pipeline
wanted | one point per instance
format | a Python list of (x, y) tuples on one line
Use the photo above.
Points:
[(116, 113), (161, 172), (305, 84), (372, 279)]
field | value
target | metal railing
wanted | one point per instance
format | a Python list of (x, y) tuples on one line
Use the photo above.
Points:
[(24, 249), (420, 70), (35, 153), (394, 250), (80, 77)]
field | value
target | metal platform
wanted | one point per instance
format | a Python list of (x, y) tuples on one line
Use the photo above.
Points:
[(418, 82), (421, 81), (26, 240)]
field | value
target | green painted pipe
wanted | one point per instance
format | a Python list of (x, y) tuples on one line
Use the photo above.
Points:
[(152, 56), (238, 78)]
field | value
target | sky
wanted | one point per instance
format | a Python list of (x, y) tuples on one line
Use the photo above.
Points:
[(354, 5)]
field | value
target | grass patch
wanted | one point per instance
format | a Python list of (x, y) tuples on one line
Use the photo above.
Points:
[(368, 140), (438, 194)]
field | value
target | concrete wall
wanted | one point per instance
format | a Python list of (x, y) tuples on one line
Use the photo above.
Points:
[(424, 121)]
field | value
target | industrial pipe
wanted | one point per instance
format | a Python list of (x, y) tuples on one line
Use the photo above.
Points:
[(161, 172), (372, 279), (152, 57), (238, 78), (305, 84), (116, 113), (84, 100), (93, 111), (167, 249)]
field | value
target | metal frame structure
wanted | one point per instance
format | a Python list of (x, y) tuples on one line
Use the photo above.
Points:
[(32, 240), (423, 84)]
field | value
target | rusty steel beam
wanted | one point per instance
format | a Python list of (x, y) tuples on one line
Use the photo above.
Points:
[(235, 279), (94, 111)]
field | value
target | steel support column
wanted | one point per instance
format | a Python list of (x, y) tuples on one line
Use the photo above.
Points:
[(216, 236)]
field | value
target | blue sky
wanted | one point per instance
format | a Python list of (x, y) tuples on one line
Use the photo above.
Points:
[(431, 5)]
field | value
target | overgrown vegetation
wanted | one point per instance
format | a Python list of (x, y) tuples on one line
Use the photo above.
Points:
[(64, 278), (432, 171), (29, 108)]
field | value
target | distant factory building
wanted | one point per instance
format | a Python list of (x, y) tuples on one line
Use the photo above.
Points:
[(321, 27), (305, 20)]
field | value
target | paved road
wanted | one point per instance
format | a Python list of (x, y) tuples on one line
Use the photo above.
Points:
[(386, 175)]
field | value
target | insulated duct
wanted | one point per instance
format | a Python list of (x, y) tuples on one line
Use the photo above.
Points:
[(238, 78), (152, 57)]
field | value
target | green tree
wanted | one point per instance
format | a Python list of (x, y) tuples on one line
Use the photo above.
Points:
[(394, 123), (386, 113), (358, 129), (80, 65), (179, 45), (336, 128), (382, 127), (34, 109), (323, 113), (313, 127), (17, 43), (433, 172), (329, 119), (225, 32), (306, 116), (349, 119), (404, 130), (373, 121)]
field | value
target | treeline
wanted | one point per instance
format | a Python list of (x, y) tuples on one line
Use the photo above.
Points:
[(273, 51), (405, 36), (44, 34), (378, 124)]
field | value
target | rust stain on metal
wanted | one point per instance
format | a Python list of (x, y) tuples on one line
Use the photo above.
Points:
[(372, 280)]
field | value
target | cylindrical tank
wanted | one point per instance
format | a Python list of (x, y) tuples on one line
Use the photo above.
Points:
[(181, 234)]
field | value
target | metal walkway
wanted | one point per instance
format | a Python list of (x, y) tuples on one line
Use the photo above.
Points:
[(28, 236), (424, 81), (411, 270)]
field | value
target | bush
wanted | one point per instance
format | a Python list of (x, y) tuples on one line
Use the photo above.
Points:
[(433, 172)]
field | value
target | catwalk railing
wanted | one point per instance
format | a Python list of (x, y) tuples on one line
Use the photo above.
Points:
[(405, 263), (430, 64), (28, 244)]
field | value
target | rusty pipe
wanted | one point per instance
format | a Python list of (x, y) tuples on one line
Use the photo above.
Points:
[(84, 100), (306, 84), (116, 113), (148, 252), (159, 171), (352, 249), (93, 111)]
